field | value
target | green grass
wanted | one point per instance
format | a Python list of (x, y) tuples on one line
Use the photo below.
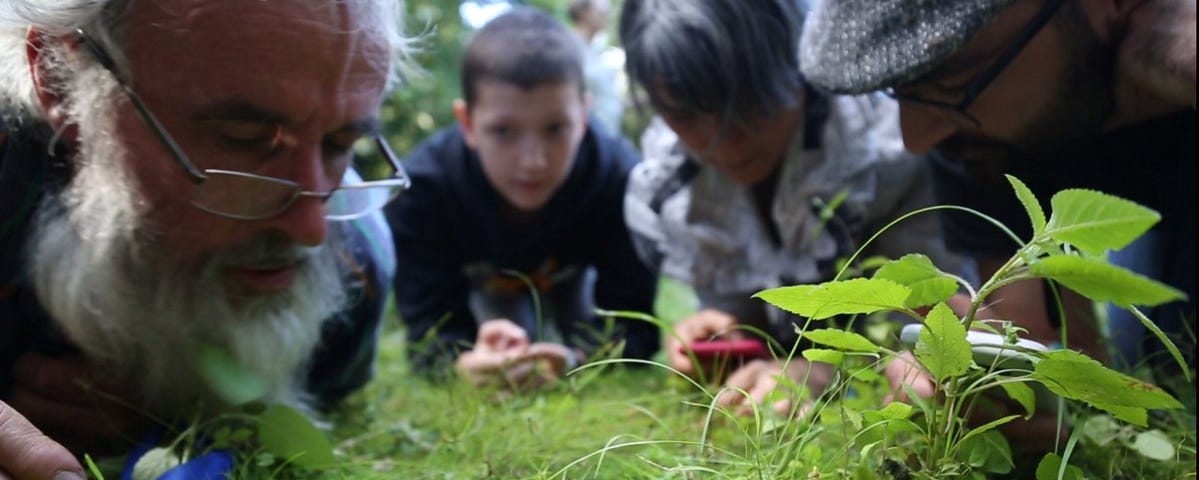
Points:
[(617, 421)]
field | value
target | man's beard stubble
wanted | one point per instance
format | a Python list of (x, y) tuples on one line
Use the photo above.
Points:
[(1083, 102), (137, 310)]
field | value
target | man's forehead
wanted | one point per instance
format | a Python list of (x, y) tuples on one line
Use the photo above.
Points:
[(245, 20)]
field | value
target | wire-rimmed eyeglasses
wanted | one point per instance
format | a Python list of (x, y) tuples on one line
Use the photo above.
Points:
[(980, 83), (248, 196)]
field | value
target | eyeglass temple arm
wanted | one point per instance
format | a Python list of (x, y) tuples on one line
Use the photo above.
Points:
[(1001, 63), (107, 62), (390, 155)]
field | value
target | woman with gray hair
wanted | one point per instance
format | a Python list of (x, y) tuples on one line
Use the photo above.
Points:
[(752, 180)]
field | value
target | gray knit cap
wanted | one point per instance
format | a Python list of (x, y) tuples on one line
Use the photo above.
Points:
[(856, 46)]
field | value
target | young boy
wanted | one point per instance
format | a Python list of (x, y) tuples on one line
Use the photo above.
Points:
[(513, 230)]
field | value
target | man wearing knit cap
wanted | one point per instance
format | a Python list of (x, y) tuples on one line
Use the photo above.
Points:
[(1096, 94)]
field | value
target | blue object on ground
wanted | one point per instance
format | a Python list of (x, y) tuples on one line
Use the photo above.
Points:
[(214, 465)]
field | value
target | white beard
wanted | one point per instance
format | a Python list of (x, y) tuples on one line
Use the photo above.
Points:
[(141, 313)]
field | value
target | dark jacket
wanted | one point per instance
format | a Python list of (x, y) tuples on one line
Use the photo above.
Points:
[(451, 223)]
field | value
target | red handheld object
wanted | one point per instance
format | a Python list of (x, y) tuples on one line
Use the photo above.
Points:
[(747, 348)]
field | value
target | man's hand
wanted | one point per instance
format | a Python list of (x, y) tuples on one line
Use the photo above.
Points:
[(65, 399), (26, 454), (1036, 434), (503, 356), (705, 324), (760, 378)]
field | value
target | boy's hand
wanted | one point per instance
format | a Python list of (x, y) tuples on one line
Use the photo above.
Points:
[(503, 356), (26, 454), (760, 378), (705, 324)]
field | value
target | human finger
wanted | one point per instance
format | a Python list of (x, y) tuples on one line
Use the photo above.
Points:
[(903, 370), (557, 358), (739, 384), (501, 334), (703, 325), (27, 454)]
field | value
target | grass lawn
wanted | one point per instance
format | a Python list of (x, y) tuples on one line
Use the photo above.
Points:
[(619, 422)]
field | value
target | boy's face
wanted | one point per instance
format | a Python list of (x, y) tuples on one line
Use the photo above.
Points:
[(525, 139)]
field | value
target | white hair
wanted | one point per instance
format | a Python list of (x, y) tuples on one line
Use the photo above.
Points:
[(100, 269), (104, 18), (142, 313)]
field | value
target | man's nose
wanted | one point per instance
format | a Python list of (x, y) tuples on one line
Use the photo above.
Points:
[(304, 221), (922, 127)]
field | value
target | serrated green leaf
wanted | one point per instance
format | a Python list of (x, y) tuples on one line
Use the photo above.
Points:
[(1078, 377), (988, 451), (290, 435), (1133, 415), (942, 347), (1153, 444), (1051, 464), (842, 340), (1095, 221), (893, 411), (928, 284), (831, 357), (1035, 214), (858, 295), (1104, 282), (1023, 395), (230, 380)]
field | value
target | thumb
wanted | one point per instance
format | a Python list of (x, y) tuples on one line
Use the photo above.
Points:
[(27, 454)]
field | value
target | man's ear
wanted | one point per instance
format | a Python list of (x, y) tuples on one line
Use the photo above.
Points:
[(49, 96), (462, 113), (1107, 18)]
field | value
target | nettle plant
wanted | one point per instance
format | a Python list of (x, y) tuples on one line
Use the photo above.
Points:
[(1069, 248)]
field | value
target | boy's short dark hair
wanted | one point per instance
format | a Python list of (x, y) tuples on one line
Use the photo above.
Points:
[(525, 47), (733, 58)]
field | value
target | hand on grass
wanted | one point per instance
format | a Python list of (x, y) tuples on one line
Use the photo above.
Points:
[(68, 401), (707, 324), (27, 454), (504, 357), (760, 379)]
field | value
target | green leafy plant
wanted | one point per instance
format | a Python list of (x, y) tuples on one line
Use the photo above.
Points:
[(1067, 248)]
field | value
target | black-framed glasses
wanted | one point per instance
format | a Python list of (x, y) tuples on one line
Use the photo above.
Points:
[(247, 196), (980, 83)]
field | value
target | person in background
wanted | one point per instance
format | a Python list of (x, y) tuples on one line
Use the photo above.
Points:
[(513, 231), (590, 21), (175, 186), (1061, 94), (751, 180)]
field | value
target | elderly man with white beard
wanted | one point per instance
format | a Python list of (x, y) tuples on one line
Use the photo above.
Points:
[(177, 181)]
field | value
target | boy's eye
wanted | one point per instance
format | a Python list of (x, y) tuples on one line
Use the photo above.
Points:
[(556, 129), (500, 132)]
